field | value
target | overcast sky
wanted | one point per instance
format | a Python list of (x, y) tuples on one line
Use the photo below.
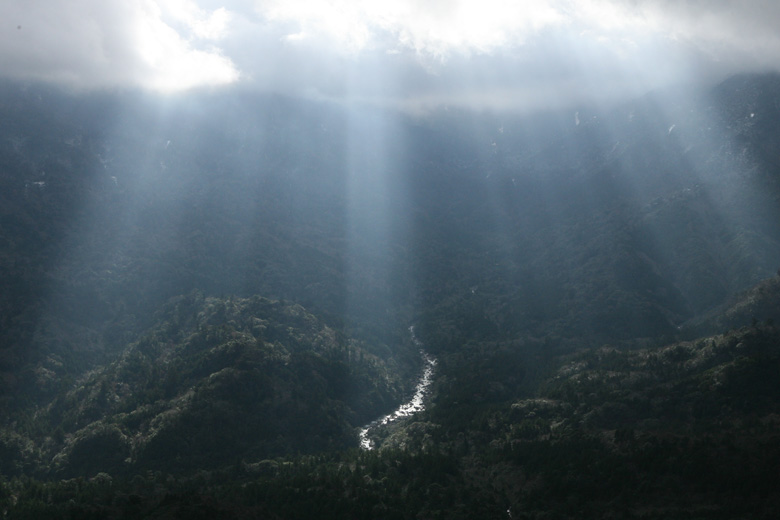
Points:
[(495, 53)]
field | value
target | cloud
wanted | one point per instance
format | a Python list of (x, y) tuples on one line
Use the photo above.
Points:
[(435, 28), (97, 43), (485, 53), (503, 54)]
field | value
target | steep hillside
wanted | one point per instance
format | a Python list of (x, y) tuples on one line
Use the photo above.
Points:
[(758, 304), (212, 382), (104, 220), (605, 223), (203, 298), (683, 430)]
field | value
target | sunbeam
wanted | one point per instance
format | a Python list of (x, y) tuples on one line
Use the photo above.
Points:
[(523, 254)]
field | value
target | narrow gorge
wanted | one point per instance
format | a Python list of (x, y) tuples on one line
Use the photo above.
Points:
[(414, 405)]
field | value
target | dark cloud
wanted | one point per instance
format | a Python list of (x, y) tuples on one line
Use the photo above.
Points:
[(416, 54)]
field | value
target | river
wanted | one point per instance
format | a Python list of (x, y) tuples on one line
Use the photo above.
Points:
[(416, 404)]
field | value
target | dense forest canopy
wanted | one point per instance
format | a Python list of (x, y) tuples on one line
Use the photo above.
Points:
[(224, 281), (403, 260)]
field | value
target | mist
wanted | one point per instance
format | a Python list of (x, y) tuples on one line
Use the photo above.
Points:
[(350, 258), (410, 55)]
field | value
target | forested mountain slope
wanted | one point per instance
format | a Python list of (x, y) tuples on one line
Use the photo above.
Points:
[(675, 431), (216, 282), (213, 381), (616, 222)]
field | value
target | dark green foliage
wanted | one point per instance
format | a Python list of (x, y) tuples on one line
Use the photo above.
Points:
[(103, 449), (213, 380), (676, 431), (551, 268)]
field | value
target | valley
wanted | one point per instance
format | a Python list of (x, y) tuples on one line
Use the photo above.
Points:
[(205, 305), (415, 405)]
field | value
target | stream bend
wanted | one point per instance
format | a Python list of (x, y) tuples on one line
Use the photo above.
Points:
[(416, 404)]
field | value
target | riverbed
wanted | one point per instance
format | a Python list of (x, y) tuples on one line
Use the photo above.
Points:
[(414, 405)]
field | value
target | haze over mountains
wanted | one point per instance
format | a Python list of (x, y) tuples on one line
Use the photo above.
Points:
[(212, 280)]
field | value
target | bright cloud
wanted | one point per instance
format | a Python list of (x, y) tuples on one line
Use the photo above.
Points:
[(436, 27), (171, 59), (87, 43), (209, 25), (484, 52)]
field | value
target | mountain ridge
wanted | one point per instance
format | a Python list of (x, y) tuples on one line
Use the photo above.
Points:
[(207, 297)]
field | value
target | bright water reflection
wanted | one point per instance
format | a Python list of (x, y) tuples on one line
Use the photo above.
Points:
[(416, 404)]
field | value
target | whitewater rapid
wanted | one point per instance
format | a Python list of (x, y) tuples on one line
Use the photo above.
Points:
[(416, 404)]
